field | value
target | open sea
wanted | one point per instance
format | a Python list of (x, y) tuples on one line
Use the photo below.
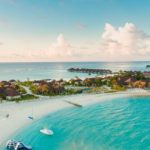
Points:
[(57, 70), (122, 123)]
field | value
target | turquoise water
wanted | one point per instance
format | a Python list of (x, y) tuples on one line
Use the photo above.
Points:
[(22, 71), (118, 124)]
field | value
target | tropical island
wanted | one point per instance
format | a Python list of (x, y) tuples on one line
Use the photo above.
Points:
[(37, 98), (31, 89)]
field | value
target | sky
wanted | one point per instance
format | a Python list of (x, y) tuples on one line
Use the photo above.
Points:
[(74, 30)]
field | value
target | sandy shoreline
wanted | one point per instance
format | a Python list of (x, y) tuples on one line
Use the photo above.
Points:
[(19, 112)]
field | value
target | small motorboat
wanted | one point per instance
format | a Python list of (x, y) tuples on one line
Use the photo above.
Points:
[(30, 117), (17, 145), (46, 131)]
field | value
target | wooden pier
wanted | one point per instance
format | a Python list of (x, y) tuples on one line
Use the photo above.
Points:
[(74, 104), (90, 71)]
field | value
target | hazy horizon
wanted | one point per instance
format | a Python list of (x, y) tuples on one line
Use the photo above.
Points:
[(76, 61)]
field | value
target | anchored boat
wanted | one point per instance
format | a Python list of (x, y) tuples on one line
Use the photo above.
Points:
[(46, 131)]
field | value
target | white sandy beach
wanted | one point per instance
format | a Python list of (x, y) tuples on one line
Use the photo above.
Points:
[(19, 112)]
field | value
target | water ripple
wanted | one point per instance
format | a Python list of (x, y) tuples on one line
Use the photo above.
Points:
[(121, 124)]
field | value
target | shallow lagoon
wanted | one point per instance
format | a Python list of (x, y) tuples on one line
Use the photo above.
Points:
[(122, 123)]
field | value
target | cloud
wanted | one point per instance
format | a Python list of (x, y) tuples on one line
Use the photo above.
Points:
[(126, 41), (61, 48)]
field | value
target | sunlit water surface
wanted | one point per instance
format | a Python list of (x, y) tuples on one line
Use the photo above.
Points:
[(119, 124), (22, 71)]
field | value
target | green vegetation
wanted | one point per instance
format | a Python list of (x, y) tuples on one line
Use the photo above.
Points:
[(25, 98), (120, 81), (25, 83), (118, 88), (19, 88), (73, 91), (2, 96)]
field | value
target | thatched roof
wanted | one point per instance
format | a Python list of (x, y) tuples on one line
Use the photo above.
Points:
[(5, 83), (10, 91)]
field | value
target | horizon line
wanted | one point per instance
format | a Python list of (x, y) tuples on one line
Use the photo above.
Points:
[(74, 61)]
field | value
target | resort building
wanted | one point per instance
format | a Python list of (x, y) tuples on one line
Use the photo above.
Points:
[(9, 93)]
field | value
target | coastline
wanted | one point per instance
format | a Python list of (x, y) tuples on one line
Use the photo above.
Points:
[(19, 112)]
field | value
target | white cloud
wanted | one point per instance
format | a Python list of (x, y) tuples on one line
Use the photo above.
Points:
[(57, 51), (127, 41), (122, 43), (61, 48)]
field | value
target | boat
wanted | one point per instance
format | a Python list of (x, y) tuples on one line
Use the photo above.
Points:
[(46, 131), (30, 117), (148, 66), (17, 145)]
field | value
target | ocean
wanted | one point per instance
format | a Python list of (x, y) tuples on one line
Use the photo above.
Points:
[(57, 70), (122, 123)]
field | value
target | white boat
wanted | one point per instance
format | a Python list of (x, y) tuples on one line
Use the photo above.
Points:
[(46, 131)]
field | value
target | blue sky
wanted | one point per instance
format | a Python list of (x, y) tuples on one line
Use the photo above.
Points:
[(34, 26)]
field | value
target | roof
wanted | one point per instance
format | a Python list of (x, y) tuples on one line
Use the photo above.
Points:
[(130, 79), (146, 74), (5, 82), (10, 91)]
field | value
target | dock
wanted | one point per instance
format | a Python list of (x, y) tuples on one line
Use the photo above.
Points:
[(90, 71), (74, 104)]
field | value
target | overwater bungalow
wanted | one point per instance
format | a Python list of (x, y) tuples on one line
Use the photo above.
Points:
[(90, 71)]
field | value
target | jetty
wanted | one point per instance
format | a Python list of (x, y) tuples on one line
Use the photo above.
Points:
[(90, 71), (74, 104)]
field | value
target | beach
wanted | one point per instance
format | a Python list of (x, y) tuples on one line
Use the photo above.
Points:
[(19, 112)]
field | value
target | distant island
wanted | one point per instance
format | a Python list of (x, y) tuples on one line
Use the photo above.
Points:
[(15, 90)]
